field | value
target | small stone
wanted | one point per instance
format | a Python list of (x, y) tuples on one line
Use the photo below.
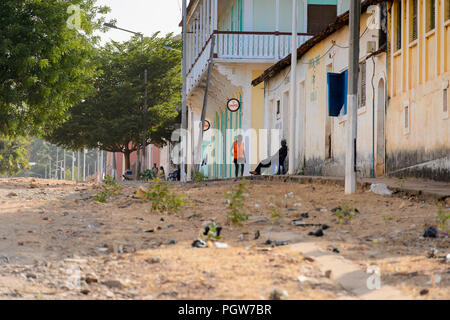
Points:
[(85, 292), (430, 232), (171, 242), (257, 235), (91, 280), (12, 194), (150, 230), (128, 249), (113, 284), (317, 233), (278, 294), (325, 227), (424, 292), (153, 260), (31, 276), (328, 274)]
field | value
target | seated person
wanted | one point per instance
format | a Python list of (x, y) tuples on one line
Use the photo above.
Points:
[(281, 154)]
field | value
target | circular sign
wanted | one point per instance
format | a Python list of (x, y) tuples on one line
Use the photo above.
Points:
[(206, 125), (233, 105)]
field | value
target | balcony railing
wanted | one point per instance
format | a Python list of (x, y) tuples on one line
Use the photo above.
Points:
[(237, 45)]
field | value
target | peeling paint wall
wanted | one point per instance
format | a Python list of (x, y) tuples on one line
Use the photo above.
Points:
[(312, 147), (417, 126)]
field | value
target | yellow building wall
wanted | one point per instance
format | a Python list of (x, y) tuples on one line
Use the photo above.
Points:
[(257, 107), (418, 74)]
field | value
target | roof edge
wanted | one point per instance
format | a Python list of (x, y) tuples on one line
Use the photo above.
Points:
[(340, 22)]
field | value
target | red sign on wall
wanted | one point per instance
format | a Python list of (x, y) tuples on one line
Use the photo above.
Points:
[(233, 105)]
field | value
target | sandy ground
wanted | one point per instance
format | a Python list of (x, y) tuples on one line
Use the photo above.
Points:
[(56, 242)]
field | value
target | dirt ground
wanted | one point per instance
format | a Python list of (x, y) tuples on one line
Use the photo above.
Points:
[(56, 242)]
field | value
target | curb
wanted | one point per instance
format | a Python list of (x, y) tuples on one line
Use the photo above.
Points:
[(364, 185)]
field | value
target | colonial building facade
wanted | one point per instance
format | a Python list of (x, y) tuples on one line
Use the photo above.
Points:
[(248, 36), (417, 119), (320, 111)]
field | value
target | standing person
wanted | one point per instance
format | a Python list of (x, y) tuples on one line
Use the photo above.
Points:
[(281, 154), (155, 169), (162, 173), (238, 155)]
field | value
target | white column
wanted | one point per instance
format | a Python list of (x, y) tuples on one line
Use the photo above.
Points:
[(293, 90), (215, 15)]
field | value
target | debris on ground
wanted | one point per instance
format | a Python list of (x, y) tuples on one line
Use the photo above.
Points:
[(301, 223), (278, 294), (302, 278), (317, 233), (380, 189), (221, 245), (424, 292), (257, 235), (277, 243), (430, 232), (199, 243)]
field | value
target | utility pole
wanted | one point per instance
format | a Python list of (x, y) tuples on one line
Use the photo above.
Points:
[(78, 165), (183, 100), (56, 164), (353, 65), (292, 94), (64, 164), (84, 165), (73, 166)]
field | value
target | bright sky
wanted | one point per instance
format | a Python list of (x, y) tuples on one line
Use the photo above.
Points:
[(145, 16)]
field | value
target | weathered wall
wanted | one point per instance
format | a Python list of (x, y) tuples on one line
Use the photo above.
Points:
[(312, 100), (417, 127)]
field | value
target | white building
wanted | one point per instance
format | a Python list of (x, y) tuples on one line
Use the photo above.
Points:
[(320, 136), (250, 36)]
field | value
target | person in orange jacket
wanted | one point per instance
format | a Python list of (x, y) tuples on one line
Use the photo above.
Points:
[(238, 151)]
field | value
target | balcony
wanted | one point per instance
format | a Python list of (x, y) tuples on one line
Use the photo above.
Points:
[(240, 45)]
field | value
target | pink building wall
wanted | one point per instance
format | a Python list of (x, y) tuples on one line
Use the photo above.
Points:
[(155, 158)]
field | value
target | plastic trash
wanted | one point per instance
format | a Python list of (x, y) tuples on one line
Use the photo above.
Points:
[(199, 243), (317, 233), (221, 245), (430, 232), (277, 243), (381, 189)]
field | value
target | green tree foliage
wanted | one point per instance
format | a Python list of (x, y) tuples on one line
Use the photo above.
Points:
[(112, 118), (13, 155), (45, 66)]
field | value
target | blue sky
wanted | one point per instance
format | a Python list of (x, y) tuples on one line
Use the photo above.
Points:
[(146, 16)]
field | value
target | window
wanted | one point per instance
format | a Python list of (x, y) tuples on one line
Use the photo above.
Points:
[(398, 26), (413, 20), (337, 93), (362, 85), (406, 118), (445, 104), (278, 115), (447, 10), (431, 15), (320, 16)]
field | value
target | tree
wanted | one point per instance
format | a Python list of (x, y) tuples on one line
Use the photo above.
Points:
[(45, 65), (112, 118), (13, 155)]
